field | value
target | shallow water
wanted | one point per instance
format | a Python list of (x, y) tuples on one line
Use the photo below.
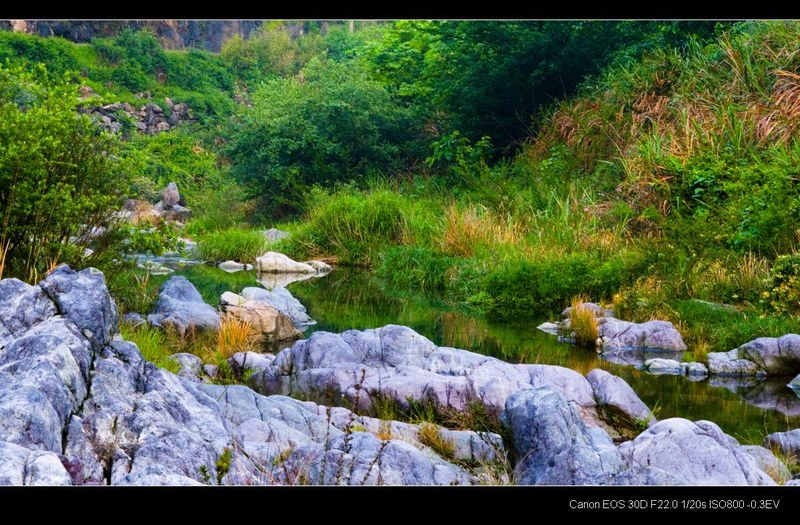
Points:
[(352, 299)]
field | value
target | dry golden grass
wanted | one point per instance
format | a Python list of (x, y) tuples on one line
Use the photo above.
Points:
[(234, 336), (465, 229), (3, 253), (430, 436), (583, 323)]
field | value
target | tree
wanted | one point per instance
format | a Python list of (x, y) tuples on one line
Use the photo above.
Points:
[(330, 124), (59, 178)]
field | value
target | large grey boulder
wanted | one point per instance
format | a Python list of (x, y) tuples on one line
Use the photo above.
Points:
[(21, 466), (398, 363), (283, 300), (22, 306), (678, 452), (619, 401), (181, 307), (617, 335), (274, 262), (553, 444), (787, 442), (83, 298), (778, 356)]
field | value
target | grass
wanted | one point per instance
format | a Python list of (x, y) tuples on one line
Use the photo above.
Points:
[(583, 323), (152, 343), (431, 436), (233, 244), (235, 335)]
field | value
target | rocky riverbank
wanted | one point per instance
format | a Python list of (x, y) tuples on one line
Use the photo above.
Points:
[(79, 405)]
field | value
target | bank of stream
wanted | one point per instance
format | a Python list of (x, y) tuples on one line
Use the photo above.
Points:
[(353, 299)]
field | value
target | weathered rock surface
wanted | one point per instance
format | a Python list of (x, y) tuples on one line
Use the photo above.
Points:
[(274, 262), (149, 119), (660, 366), (282, 300), (78, 405), (787, 442), (274, 234), (619, 335), (795, 384), (678, 452), (264, 319), (181, 306), (618, 399), (190, 365), (767, 462), (233, 266), (171, 196), (553, 443), (778, 356), (395, 361)]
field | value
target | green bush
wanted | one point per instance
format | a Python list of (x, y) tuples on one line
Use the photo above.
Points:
[(336, 125), (59, 177), (532, 289), (232, 244), (784, 285)]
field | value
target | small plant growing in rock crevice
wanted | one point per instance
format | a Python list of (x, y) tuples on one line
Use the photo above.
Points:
[(430, 436), (223, 464)]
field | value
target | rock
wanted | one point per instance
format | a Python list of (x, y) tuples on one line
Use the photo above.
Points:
[(660, 366), (83, 298), (134, 319), (654, 335), (250, 361), (282, 300), (274, 262), (233, 266), (263, 318), (211, 370), (177, 213), (181, 307), (617, 400), (553, 443), (398, 363), (695, 369), (20, 466), (729, 364), (678, 452), (778, 356), (274, 234), (598, 310), (22, 307), (188, 246), (767, 462), (548, 328), (320, 266), (190, 365), (786, 442), (795, 384)]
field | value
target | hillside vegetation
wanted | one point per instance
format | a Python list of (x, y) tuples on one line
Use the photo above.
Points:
[(505, 167)]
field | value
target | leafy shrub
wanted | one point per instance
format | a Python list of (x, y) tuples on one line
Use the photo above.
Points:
[(59, 177), (784, 285), (336, 125)]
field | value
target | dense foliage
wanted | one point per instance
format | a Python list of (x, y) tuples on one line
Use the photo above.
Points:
[(59, 180)]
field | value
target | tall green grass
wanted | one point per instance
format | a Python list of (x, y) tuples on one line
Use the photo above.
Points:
[(231, 244)]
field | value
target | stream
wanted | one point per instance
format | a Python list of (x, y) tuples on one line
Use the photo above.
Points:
[(349, 298)]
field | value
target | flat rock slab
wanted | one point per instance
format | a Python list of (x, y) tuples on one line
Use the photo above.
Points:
[(274, 262)]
